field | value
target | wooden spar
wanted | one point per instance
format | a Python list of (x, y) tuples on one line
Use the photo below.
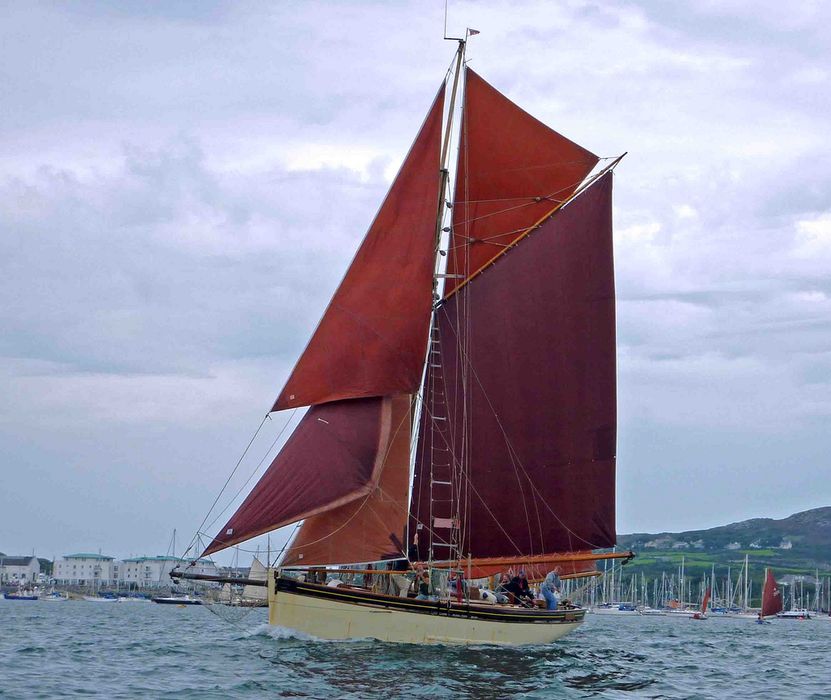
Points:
[(373, 572), (541, 559), (217, 578), (588, 574), (564, 577), (536, 225)]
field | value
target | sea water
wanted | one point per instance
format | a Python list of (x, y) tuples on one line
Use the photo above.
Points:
[(134, 650)]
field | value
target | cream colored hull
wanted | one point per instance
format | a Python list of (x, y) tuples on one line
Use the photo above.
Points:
[(332, 619)]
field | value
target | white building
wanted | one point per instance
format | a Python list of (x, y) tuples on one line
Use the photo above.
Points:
[(19, 570), (84, 569), (153, 572)]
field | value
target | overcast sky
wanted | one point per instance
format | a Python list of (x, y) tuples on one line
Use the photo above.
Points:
[(182, 185)]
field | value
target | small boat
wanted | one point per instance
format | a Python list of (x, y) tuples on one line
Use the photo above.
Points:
[(100, 599), (55, 597), (177, 600), (21, 595), (615, 609), (650, 611), (682, 612), (133, 599), (795, 614)]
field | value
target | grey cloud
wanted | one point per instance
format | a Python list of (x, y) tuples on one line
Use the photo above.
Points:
[(182, 185)]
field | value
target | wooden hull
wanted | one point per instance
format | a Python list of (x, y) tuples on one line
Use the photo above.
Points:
[(340, 613)]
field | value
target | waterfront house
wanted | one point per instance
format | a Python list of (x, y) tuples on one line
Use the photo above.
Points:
[(84, 569), (19, 570)]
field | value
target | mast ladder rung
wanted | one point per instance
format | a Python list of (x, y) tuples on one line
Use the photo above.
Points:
[(432, 365), (448, 276), (441, 483), (439, 417)]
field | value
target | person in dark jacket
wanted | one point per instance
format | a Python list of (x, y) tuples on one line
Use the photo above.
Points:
[(521, 591)]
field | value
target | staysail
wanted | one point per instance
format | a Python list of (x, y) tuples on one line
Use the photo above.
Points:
[(364, 359), (520, 396), (512, 171), (771, 596), (334, 456)]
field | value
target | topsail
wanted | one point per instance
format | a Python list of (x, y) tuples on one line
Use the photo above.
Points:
[(512, 171)]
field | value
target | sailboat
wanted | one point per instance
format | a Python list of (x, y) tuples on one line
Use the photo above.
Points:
[(771, 598), (251, 595), (702, 613), (477, 317)]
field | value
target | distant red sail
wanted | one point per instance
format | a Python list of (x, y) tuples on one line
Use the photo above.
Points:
[(512, 171), (771, 596), (334, 456), (370, 341), (536, 429), (706, 601), (370, 528)]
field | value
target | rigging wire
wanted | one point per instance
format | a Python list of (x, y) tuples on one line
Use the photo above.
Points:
[(256, 469), (266, 417)]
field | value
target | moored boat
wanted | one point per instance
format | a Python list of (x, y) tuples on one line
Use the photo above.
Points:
[(177, 600), (615, 609)]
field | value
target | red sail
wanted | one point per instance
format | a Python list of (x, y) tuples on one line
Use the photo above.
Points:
[(370, 341), (370, 528), (333, 457), (536, 438), (771, 596), (512, 171), (706, 601)]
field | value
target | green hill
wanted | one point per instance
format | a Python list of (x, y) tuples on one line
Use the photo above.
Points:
[(799, 545)]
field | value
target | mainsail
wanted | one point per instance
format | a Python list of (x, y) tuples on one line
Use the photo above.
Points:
[(519, 402)]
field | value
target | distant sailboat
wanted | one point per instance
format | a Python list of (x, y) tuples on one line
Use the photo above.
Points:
[(490, 337), (702, 614), (771, 597)]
